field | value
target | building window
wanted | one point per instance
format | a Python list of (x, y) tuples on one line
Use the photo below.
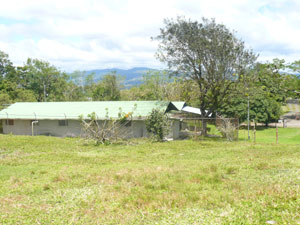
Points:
[(63, 123), (9, 122)]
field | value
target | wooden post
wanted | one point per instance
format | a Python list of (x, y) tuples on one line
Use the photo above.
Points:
[(238, 128), (254, 132), (276, 134)]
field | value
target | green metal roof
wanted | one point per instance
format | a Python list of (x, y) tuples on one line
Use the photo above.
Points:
[(72, 110)]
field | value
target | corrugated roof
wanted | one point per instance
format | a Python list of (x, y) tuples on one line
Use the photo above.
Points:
[(179, 105), (193, 110), (72, 110)]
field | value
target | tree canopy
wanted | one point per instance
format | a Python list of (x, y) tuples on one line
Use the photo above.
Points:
[(207, 53)]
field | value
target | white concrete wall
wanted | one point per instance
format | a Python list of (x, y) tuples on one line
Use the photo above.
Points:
[(174, 130), (136, 130), (45, 127), (20, 127), (139, 129), (51, 127)]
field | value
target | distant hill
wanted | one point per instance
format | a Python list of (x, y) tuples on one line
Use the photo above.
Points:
[(132, 76)]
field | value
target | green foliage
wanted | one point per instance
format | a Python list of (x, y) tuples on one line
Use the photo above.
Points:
[(41, 81), (7, 71), (24, 95), (266, 87), (5, 100), (271, 78), (295, 83), (157, 125), (112, 84), (263, 108), (156, 85), (207, 53), (45, 80), (10, 93), (108, 89), (295, 66), (74, 92)]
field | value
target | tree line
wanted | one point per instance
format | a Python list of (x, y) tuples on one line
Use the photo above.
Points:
[(225, 72), (208, 67), (38, 80)]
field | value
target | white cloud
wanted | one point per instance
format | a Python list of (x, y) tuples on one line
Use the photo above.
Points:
[(90, 34)]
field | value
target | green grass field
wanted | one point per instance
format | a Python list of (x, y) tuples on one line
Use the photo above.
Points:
[(47, 180), (268, 135)]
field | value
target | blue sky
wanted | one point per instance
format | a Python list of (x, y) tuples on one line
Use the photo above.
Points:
[(92, 34)]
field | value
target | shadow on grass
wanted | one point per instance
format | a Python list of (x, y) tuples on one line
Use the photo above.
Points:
[(207, 138), (256, 128), (125, 142)]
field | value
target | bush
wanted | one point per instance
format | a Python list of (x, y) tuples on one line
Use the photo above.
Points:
[(228, 128), (157, 124), (106, 130)]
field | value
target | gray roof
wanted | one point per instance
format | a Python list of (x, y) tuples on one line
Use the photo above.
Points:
[(72, 110)]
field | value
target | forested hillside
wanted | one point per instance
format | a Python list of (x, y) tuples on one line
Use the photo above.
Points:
[(269, 86)]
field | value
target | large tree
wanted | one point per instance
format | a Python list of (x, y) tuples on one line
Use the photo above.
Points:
[(108, 89), (295, 68), (268, 87), (7, 70), (207, 53), (44, 79)]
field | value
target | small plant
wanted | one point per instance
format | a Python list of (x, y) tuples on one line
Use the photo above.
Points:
[(46, 187), (228, 129), (157, 124), (230, 170)]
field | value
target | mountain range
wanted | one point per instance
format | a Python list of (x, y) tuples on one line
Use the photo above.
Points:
[(132, 76)]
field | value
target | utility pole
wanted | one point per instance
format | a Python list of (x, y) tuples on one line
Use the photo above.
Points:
[(44, 92)]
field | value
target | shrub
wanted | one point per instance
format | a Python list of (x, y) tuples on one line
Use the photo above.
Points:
[(228, 129), (157, 124)]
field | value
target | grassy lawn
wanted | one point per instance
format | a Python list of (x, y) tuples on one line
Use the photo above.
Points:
[(47, 180), (268, 135)]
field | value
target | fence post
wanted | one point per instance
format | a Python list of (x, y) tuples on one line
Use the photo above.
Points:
[(276, 134), (254, 133), (238, 128)]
